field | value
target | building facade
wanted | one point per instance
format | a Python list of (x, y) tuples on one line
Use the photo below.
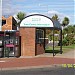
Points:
[(8, 23), (30, 40)]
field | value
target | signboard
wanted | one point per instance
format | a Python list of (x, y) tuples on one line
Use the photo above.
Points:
[(36, 21)]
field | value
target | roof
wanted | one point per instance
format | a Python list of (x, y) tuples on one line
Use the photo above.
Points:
[(56, 24)]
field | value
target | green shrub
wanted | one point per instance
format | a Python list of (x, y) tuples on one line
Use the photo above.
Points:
[(68, 40), (73, 41), (64, 42)]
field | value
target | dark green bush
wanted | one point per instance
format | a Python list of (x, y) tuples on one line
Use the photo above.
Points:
[(73, 41), (68, 40), (64, 42)]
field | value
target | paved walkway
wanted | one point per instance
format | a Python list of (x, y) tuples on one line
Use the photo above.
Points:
[(37, 61), (70, 54), (33, 62)]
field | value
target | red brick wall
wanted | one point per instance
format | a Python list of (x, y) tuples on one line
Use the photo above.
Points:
[(40, 49), (27, 41)]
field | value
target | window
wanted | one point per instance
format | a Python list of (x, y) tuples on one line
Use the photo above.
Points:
[(39, 36), (3, 22)]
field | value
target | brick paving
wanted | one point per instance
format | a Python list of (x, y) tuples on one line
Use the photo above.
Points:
[(35, 61)]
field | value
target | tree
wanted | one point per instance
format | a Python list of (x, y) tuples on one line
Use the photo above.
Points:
[(69, 30), (65, 21), (55, 17), (20, 17), (64, 32), (74, 29)]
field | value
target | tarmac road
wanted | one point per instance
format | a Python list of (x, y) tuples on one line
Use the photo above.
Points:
[(40, 71)]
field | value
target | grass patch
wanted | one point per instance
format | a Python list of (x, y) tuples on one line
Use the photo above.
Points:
[(65, 49)]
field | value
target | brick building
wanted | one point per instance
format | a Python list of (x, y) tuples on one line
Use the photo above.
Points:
[(8, 23)]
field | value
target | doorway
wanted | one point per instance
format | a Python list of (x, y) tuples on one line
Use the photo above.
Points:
[(40, 41)]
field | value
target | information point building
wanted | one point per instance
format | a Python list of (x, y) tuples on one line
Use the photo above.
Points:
[(33, 33)]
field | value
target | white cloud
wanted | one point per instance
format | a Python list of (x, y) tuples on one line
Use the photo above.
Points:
[(60, 15), (21, 0), (8, 8), (52, 12), (32, 13), (15, 15)]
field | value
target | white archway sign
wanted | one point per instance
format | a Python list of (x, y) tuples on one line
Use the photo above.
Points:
[(36, 21)]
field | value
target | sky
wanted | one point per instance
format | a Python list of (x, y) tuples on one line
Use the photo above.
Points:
[(46, 7)]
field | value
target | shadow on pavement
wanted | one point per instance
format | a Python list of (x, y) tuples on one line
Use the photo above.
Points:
[(51, 51)]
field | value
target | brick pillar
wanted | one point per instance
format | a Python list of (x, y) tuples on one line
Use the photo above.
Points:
[(27, 41), (40, 49)]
